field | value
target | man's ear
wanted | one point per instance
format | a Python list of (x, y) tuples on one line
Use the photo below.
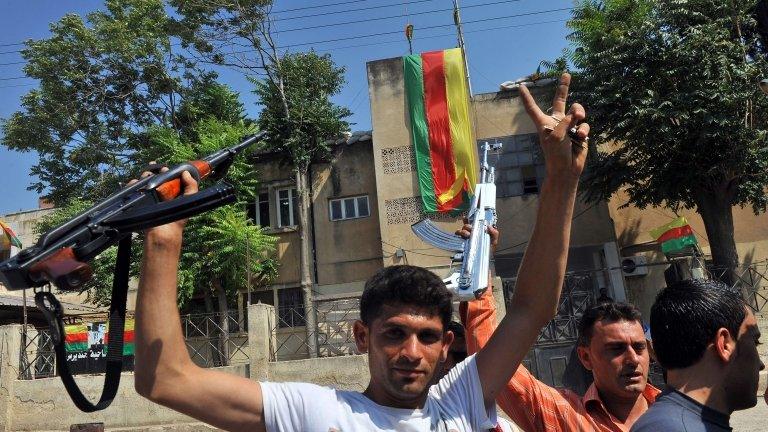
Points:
[(584, 356), (447, 341), (362, 336), (724, 345)]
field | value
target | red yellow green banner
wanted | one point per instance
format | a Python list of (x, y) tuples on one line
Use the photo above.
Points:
[(76, 338), (80, 338), (674, 236), (438, 107)]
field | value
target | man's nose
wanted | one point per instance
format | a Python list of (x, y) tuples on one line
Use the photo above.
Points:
[(631, 357), (411, 348)]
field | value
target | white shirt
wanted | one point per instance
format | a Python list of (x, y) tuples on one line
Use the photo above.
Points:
[(455, 404)]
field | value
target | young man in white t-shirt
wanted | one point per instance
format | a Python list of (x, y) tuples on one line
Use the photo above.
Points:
[(403, 328)]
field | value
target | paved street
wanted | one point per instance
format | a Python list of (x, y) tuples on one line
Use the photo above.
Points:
[(751, 420)]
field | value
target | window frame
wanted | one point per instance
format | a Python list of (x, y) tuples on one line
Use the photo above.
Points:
[(343, 207), (292, 216), (257, 210)]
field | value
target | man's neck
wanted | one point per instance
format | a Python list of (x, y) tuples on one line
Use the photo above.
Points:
[(625, 410), (697, 384), (383, 398)]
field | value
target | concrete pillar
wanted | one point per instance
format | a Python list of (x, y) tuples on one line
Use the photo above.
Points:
[(261, 321), (10, 352)]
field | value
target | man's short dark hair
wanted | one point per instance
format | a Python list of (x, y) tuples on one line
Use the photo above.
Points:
[(457, 328), (605, 311), (687, 315), (405, 285)]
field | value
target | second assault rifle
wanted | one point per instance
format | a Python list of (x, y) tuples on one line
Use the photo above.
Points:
[(61, 255), (474, 253)]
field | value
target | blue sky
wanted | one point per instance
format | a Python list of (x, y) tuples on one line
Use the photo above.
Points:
[(505, 40)]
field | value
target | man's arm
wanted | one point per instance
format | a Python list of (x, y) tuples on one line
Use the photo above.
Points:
[(164, 373), (530, 403), (542, 271)]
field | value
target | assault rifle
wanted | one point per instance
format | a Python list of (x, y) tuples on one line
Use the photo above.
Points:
[(61, 255), (474, 253)]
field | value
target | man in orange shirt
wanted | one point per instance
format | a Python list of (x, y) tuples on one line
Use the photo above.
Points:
[(611, 344)]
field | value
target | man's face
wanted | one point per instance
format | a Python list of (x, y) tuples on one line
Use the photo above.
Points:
[(618, 358), (743, 372), (405, 346)]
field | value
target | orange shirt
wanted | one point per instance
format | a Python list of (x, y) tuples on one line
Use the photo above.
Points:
[(533, 405)]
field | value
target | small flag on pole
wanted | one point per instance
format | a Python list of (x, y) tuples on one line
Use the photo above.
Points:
[(674, 236), (8, 238)]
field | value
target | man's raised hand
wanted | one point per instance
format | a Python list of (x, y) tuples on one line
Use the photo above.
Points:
[(564, 154)]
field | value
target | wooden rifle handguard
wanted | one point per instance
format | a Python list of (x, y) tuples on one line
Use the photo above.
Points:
[(63, 270), (172, 189)]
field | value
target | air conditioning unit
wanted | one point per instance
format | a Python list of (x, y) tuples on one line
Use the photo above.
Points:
[(636, 265)]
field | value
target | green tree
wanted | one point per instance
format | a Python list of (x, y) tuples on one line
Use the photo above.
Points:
[(101, 82), (672, 85), (300, 118), (223, 247), (294, 91)]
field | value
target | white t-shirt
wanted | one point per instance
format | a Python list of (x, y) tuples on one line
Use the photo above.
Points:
[(455, 404)]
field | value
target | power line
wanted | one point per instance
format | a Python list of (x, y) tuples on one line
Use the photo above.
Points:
[(392, 32), (394, 16), (422, 28), (17, 85), (351, 10), (320, 6), (13, 78), (440, 35), (382, 42)]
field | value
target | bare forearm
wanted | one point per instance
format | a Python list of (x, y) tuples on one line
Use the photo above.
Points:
[(160, 349), (537, 290), (540, 278)]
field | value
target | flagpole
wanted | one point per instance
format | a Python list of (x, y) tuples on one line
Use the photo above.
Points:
[(462, 46)]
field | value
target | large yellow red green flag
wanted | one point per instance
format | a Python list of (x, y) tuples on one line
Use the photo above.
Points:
[(438, 105)]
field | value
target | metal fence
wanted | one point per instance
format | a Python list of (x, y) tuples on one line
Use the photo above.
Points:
[(332, 335), (37, 358), (206, 342), (209, 345), (751, 280)]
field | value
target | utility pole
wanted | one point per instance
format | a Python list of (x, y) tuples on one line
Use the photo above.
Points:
[(460, 34)]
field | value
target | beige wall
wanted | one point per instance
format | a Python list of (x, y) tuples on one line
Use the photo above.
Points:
[(347, 250), (494, 115)]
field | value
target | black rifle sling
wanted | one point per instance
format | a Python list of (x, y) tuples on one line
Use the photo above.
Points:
[(115, 345)]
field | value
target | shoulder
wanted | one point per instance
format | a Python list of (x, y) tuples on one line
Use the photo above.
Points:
[(296, 392), (662, 415), (458, 377)]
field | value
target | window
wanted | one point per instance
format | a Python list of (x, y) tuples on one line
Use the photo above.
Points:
[(290, 307), (519, 168), (259, 212), (288, 207), (349, 208)]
